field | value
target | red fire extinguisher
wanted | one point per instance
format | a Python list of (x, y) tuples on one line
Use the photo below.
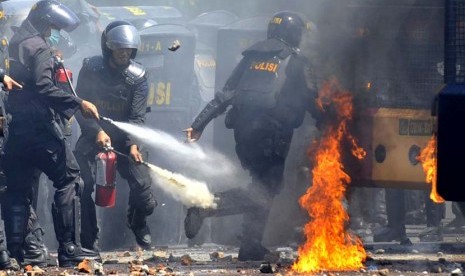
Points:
[(105, 176)]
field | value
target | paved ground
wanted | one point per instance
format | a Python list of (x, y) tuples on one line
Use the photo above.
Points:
[(444, 258)]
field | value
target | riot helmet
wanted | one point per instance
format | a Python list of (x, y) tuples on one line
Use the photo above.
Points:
[(287, 26), (118, 35), (46, 14)]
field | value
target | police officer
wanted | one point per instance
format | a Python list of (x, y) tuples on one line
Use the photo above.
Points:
[(118, 86), (269, 91), (8, 84), (35, 251), (35, 138)]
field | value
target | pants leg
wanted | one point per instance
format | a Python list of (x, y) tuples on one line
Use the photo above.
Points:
[(89, 227), (395, 209), (141, 200), (434, 212)]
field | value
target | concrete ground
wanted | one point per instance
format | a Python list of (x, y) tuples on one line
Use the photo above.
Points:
[(438, 258)]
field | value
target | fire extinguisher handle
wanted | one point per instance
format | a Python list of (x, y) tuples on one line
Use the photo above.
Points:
[(108, 147), (60, 63)]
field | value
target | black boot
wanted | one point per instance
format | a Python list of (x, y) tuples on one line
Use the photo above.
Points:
[(193, 221), (431, 234), (138, 225), (71, 254), (389, 234), (7, 263), (395, 211), (66, 220), (35, 252), (253, 228), (252, 251), (231, 202)]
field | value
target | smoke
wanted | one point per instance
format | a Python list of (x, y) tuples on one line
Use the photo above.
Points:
[(206, 164), (190, 192)]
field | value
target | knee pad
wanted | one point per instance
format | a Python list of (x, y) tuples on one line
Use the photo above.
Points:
[(79, 186), (150, 205), (145, 205)]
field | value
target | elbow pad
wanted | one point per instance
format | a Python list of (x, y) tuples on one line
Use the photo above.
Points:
[(211, 111)]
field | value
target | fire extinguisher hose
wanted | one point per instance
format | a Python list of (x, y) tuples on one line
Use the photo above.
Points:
[(150, 166)]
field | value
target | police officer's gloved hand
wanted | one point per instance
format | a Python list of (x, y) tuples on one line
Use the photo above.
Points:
[(192, 135), (102, 139), (10, 83), (135, 154), (89, 110)]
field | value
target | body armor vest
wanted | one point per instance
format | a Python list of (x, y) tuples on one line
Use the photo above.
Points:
[(114, 91), (261, 83)]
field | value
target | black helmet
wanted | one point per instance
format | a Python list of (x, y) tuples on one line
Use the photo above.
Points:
[(47, 13), (120, 34), (287, 26)]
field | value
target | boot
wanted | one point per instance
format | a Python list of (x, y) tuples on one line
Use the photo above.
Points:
[(66, 220), (138, 225), (431, 234), (389, 234), (7, 263), (395, 211), (253, 228), (35, 252), (252, 251), (231, 202), (70, 254), (193, 221)]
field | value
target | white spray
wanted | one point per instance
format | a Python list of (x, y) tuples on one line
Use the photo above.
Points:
[(190, 156), (189, 191)]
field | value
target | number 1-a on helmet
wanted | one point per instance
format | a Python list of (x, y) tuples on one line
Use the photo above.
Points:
[(50, 13), (118, 35)]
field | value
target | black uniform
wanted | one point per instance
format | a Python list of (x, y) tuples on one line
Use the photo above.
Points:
[(270, 91), (36, 142), (122, 96)]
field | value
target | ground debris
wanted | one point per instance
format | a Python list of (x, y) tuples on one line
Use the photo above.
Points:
[(186, 259), (383, 272), (90, 267), (215, 256), (33, 270), (266, 268)]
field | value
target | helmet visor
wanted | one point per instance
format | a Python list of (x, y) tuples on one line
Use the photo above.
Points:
[(62, 17), (123, 36)]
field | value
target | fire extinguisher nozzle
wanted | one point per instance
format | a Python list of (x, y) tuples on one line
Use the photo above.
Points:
[(106, 119)]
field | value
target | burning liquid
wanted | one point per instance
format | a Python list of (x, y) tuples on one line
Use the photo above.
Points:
[(428, 160), (190, 192), (328, 246)]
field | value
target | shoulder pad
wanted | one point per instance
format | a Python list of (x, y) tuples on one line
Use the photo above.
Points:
[(94, 63), (134, 73)]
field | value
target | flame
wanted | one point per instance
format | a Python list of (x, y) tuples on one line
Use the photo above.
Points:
[(328, 246), (427, 158)]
